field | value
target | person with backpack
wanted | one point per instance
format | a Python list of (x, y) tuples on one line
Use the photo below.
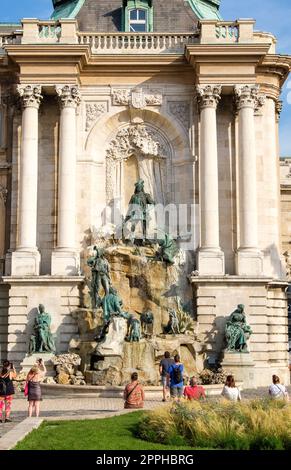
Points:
[(175, 373), (134, 393), (278, 391), (165, 363), (8, 373)]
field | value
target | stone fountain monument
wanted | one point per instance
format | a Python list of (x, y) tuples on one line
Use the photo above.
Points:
[(136, 306)]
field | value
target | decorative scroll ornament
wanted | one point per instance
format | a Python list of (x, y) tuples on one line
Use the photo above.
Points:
[(181, 111), (93, 112), (247, 96), (136, 98), (139, 139), (3, 193), (69, 96), (208, 96), (30, 95)]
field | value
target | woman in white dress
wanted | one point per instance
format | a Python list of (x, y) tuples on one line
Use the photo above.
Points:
[(278, 391), (230, 391)]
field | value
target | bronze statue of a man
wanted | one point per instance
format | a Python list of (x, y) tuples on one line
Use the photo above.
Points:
[(42, 339), (100, 276), (138, 208), (237, 331)]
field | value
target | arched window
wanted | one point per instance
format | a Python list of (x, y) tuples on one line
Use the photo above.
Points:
[(137, 16)]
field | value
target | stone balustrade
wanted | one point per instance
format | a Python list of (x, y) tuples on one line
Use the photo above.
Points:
[(10, 38), (111, 43), (65, 31)]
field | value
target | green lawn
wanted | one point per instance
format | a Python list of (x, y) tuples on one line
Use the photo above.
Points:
[(116, 433)]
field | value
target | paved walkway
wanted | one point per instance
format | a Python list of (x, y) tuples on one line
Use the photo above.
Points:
[(87, 406)]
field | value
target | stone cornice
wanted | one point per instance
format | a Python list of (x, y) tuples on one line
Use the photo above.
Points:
[(42, 280), (62, 63), (225, 52), (278, 65)]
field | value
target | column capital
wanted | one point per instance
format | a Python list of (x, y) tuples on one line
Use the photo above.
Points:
[(69, 96), (208, 96), (248, 96), (30, 95)]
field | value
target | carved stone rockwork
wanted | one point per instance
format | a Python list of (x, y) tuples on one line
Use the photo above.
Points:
[(181, 111), (208, 96), (136, 98), (69, 95), (93, 112), (30, 95)]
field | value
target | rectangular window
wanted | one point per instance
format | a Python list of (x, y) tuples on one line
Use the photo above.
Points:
[(138, 21)]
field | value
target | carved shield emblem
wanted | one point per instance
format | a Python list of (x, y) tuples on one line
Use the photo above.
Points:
[(138, 100)]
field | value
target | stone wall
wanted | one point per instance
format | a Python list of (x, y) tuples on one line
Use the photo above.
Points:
[(265, 306), (59, 296)]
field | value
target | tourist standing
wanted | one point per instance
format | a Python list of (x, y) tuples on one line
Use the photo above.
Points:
[(165, 363), (194, 391), (8, 373), (230, 391), (34, 378), (134, 393), (175, 374), (278, 391)]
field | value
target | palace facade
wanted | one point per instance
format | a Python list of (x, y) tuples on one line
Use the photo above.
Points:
[(106, 92)]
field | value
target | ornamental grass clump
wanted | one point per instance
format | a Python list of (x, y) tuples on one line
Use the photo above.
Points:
[(255, 425)]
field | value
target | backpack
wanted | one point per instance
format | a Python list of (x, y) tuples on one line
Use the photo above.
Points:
[(177, 374), (3, 388)]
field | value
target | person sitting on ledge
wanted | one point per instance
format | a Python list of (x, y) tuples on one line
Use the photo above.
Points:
[(278, 391), (230, 391), (134, 393), (194, 391)]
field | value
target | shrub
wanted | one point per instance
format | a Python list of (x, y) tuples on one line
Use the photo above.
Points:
[(258, 424)]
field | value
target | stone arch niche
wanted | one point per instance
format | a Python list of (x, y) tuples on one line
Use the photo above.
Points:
[(121, 146), (139, 151)]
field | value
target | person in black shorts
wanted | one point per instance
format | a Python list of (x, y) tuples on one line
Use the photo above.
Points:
[(165, 363)]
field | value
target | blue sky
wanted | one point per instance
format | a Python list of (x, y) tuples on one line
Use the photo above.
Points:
[(271, 15)]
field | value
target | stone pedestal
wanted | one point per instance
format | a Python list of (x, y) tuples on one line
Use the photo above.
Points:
[(249, 263), (65, 263), (25, 263), (211, 263), (30, 361), (241, 366)]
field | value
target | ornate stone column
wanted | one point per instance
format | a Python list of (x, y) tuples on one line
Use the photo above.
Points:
[(65, 258), (26, 259), (249, 259), (210, 256)]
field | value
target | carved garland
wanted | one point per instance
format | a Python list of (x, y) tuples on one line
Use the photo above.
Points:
[(93, 112), (3, 193), (181, 111)]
